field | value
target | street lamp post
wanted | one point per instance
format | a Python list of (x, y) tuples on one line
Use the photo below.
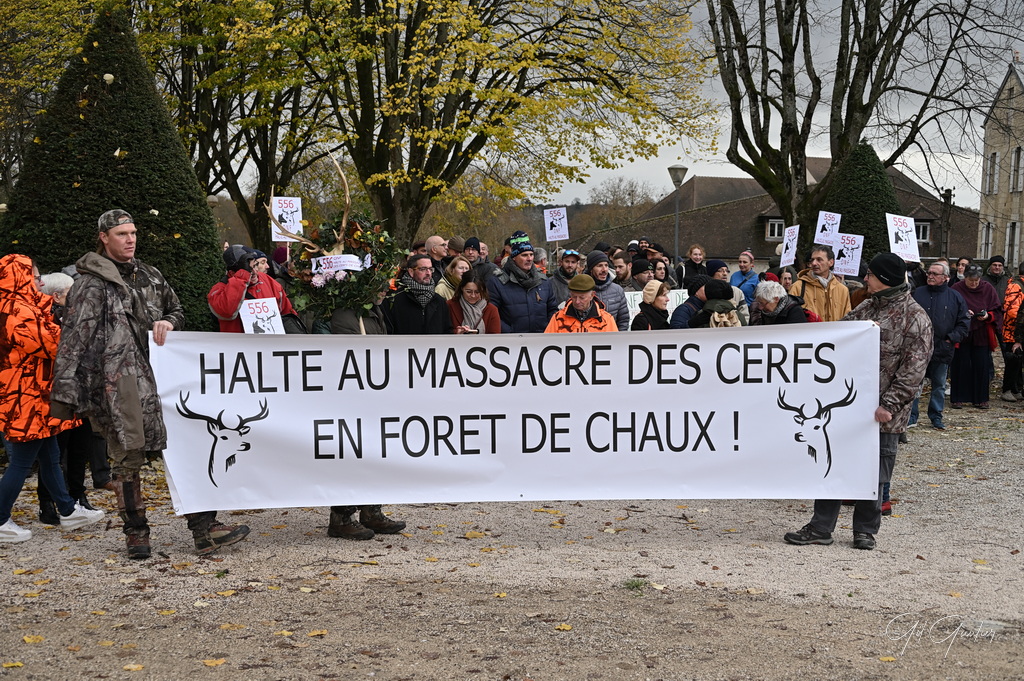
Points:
[(677, 173)]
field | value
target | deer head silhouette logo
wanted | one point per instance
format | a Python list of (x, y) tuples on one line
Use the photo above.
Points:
[(814, 429), (228, 441)]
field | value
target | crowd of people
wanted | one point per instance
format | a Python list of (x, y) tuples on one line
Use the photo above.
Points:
[(77, 387)]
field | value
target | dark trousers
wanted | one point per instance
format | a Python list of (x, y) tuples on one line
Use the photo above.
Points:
[(970, 374), (867, 513), (1012, 378)]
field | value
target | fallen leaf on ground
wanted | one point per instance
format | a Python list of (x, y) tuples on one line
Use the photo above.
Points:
[(283, 632), (563, 627), (166, 612), (10, 665), (317, 632), (231, 626), (887, 659), (214, 663), (133, 667), (33, 638)]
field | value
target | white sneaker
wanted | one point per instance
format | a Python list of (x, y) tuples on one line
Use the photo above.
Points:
[(10, 533), (1008, 397), (912, 425), (80, 517)]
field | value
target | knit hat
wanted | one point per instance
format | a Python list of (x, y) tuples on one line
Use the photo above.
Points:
[(997, 258), (595, 258), (237, 257), (715, 265), (457, 243), (695, 283), (888, 268), (771, 276), (641, 264), (633, 246), (716, 289), (651, 290), (472, 242), (602, 246), (113, 218), (520, 243), (582, 283)]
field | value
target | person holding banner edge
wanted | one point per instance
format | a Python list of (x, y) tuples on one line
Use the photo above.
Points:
[(102, 367), (906, 349)]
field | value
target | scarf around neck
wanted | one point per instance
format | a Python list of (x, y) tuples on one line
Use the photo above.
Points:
[(473, 313), (422, 293), (528, 280)]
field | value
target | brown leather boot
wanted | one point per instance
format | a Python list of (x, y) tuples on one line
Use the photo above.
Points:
[(210, 534), (132, 509), (342, 525), (374, 518)]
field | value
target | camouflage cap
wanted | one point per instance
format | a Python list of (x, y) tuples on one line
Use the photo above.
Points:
[(113, 218)]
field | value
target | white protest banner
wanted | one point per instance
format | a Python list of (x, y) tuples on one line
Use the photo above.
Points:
[(903, 237), (288, 211), (556, 224), (345, 261), (848, 249), (755, 412), (261, 315), (676, 297), (828, 228), (789, 246)]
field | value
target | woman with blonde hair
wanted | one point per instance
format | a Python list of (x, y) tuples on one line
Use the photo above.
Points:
[(452, 276)]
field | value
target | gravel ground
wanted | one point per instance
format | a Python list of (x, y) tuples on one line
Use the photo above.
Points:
[(557, 590)]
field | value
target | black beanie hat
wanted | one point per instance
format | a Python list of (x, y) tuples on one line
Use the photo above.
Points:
[(693, 284), (888, 268), (641, 265), (596, 257), (716, 289)]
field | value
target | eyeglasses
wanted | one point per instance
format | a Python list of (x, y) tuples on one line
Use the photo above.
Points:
[(936, 274), (423, 269)]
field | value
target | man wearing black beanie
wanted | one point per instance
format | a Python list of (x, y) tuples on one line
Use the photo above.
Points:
[(610, 293), (906, 349)]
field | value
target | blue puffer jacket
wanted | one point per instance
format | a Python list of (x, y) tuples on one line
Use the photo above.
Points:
[(521, 310), (614, 299), (948, 311)]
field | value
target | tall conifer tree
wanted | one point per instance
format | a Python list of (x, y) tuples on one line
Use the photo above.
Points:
[(863, 194), (107, 141)]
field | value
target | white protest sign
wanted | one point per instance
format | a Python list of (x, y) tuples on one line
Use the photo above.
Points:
[(676, 297), (288, 211), (345, 261), (556, 224), (848, 250), (258, 421), (903, 237), (789, 246), (828, 228), (261, 315)]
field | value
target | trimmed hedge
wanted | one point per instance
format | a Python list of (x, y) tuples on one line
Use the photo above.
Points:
[(104, 145)]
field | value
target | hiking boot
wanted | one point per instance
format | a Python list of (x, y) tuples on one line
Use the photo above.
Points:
[(80, 517), (886, 508), (137, 543), (1008, 396), (10, 533), (982, 405), (220, 535), (83, 501), (863, 540), (373, 518), (342, 525), (808, 535), (48, 513)]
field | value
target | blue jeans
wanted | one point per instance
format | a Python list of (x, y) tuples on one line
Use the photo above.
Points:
[(936, 373), (21, 456)]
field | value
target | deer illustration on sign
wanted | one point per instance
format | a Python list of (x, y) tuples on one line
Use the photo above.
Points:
[(229, 440), (814, 429)]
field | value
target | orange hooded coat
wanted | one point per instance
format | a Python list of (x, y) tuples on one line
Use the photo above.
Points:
[(28, 344)]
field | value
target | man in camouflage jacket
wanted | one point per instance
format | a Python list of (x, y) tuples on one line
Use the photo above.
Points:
[(906, 349), (102, 366)]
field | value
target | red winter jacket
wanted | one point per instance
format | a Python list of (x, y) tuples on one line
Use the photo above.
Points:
[(227, 295)]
